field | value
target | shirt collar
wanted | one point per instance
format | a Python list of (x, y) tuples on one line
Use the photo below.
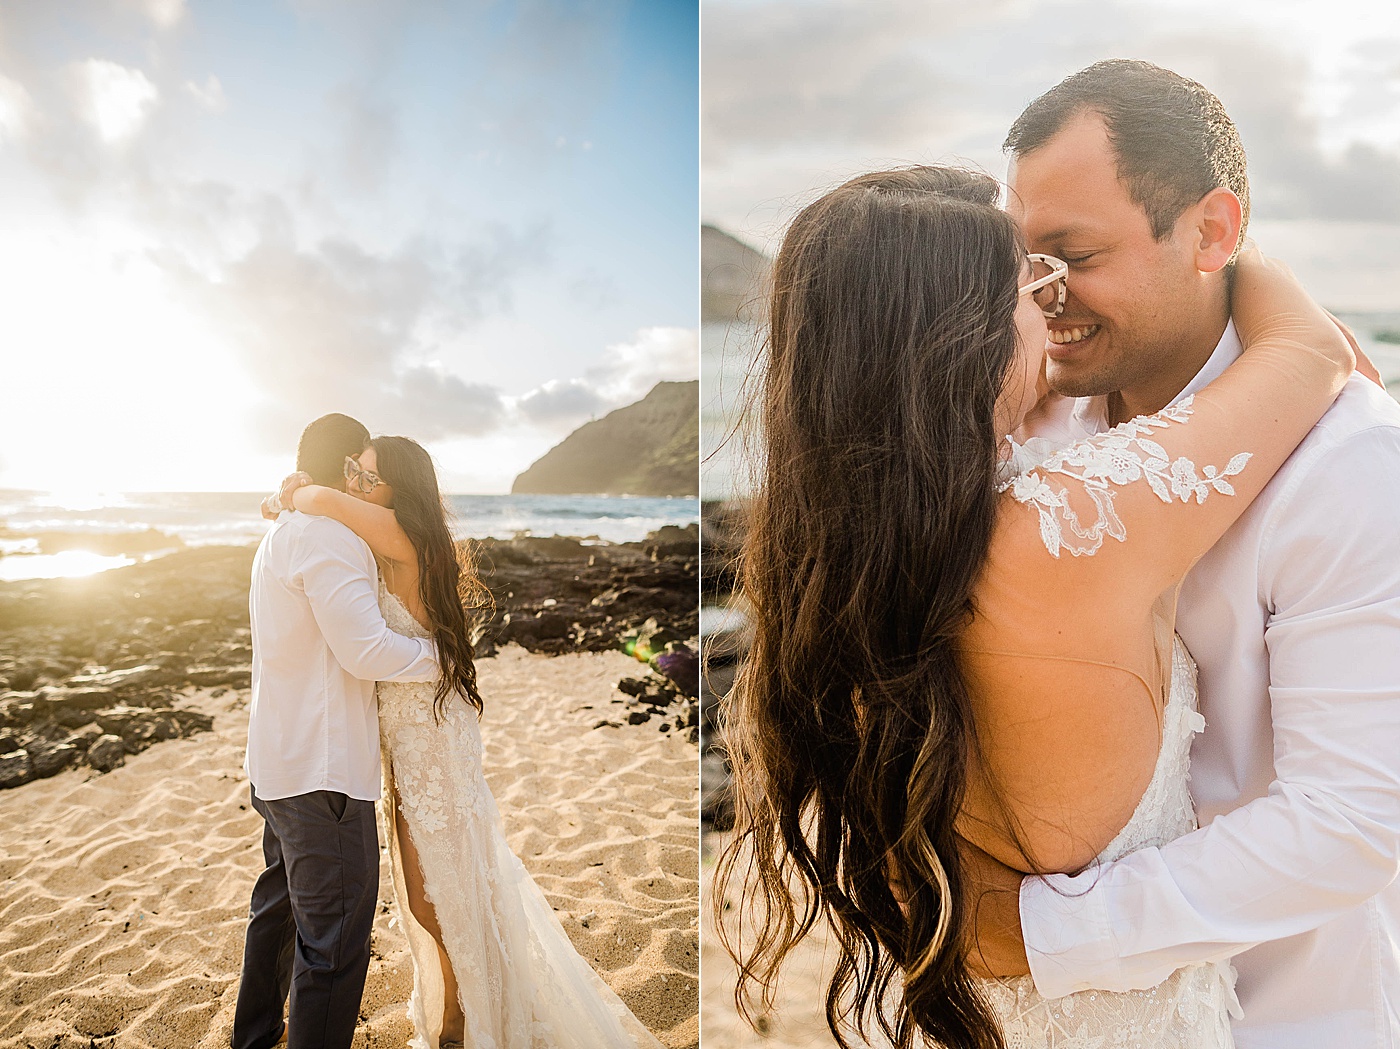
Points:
[(1226, 352), (1091, 413)]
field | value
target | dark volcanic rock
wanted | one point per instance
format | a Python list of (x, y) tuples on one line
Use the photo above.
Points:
[(15, 768), (90, 663), (50, 759), (16, 708), (565, 595), (656, 694), (58, 698), (716, 805), (722, 537), (85, 736), (107, 753), (101, 659), (138, 729), (191, 721), (670, 541), (234, 677), (24, 678), (132, 679)]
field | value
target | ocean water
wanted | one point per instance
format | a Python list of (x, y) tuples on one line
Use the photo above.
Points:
[(49, 534)]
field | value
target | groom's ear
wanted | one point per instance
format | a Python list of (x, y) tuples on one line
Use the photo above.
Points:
[(1216, 221)]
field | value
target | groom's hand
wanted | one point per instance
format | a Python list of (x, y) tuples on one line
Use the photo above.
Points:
[(994, 947)]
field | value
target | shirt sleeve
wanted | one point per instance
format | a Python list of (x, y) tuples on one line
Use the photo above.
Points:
[(337, 574), (1326, 837)]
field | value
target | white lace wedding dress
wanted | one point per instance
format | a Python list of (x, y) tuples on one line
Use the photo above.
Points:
[(522, 984), (1192, 1008)]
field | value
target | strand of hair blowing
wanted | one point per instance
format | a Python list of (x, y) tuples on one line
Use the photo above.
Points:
[(849, 729), (447, 579)]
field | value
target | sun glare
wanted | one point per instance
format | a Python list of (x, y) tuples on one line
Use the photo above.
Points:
[(117, 385), (83, 499), (69, 564)]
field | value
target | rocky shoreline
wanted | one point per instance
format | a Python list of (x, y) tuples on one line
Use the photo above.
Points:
[(725, 646), (95, 669)]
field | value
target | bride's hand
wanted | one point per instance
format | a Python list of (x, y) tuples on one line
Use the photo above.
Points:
[(290, 484), (282, 500), (1364, 364), (1267, 302)]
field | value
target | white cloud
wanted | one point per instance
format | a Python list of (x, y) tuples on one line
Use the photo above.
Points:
[(114, 99), (16, 109), (559, 401), (625, 374), (165, 13), (336, 326), (1313, 87), (210, 96), (654, 355), (1345, 265), (369, 135)]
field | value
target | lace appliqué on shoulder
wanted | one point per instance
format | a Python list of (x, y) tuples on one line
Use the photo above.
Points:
[(1116, 457)]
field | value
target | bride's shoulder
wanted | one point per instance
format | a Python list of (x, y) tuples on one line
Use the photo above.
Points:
[(1072, 488)]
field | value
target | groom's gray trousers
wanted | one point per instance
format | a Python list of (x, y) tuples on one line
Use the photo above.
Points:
[(310, 920)]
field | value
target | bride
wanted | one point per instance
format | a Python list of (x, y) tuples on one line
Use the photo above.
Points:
[(492, 965), (964, 656)]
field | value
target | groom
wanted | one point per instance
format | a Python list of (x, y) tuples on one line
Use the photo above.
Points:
[(1131, 174), (319, 644)]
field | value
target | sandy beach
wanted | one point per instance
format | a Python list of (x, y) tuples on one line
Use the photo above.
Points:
[(798, 1019), (124, 895)]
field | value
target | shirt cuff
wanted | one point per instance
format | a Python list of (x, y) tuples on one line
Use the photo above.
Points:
[(1068, 936)]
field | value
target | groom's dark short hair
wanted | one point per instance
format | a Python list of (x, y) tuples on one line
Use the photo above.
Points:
[(1173, 139), (324, 445)]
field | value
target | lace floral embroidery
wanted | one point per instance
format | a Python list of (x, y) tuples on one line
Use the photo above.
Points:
[(520, 981), (1117, 457)]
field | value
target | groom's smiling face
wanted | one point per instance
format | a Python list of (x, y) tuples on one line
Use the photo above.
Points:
[(1129, 294)]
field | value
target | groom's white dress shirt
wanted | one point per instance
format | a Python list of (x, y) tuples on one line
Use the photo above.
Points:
[(319, 645), (1293, 619)]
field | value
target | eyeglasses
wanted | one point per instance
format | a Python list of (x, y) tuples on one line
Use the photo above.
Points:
[(1049, 284), (360, 478)]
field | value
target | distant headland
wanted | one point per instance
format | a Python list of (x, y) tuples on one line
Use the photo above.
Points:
[(651, 447)]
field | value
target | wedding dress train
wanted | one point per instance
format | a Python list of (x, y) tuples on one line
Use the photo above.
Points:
[(521, 983)]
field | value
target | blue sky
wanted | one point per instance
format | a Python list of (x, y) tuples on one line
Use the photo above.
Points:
[(473, 223)]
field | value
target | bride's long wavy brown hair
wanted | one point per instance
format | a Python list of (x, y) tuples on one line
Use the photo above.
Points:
[(455, 598), (849, 729)]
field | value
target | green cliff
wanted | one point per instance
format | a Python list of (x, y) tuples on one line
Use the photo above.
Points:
[(648, 448)]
